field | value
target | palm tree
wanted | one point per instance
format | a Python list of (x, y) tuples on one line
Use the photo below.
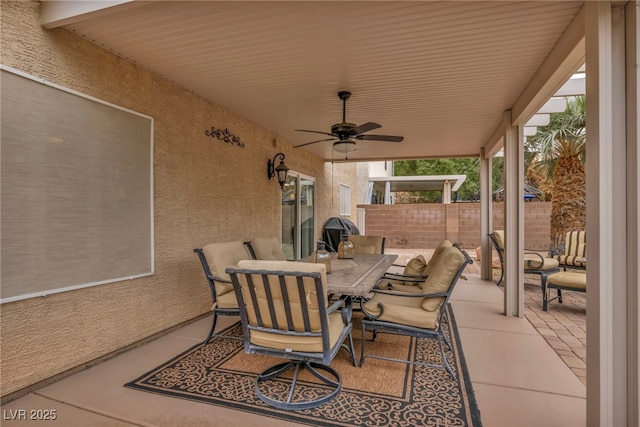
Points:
[(560, 148)]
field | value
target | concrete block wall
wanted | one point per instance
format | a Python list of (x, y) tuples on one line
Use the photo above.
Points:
[(424, 225)]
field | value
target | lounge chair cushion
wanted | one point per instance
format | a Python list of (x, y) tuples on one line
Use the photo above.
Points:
[(575, 249), (441, 277), (268, 248), (568, 279), (533, 262), (220, 256)]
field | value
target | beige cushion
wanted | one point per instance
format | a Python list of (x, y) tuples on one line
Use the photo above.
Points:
[(441, 277), (402, 310), (575, 249), (359, 241), (533, 262), (568, 279), (436, 255), (268, 248), (365, 250), (498, 235), (292, 290), (300, 343), (414, 268), (220, 256)]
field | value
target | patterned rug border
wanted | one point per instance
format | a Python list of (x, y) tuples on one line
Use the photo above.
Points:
[(311, 417)]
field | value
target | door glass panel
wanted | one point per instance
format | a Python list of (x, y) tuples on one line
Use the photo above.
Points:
[(289, 217), (298, 216), (307, 219)]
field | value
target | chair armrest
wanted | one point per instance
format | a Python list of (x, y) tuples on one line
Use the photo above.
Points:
[(344, 305), (219, 279), (409, 295), (404, 277)]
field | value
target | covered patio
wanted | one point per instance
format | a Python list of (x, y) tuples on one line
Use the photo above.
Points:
[(225, 86), (514, 372)]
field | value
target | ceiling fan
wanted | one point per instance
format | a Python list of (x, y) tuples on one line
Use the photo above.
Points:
[(344, 133)]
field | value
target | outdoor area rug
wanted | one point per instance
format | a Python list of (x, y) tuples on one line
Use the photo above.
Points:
[(380, 393)]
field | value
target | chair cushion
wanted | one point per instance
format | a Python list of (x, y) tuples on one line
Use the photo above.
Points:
[(402, 310), (533, 262), (268, 248), (498, 235), (437, 253), (573, 261), (568, 279), (365, 249), (440, 280), (300, 343), (227, 300), (222, 255), (292, 290), (415, 266)]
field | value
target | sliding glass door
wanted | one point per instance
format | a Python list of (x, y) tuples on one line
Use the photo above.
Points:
[(298, 216)]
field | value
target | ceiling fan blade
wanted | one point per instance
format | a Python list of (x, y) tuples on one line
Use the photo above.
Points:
[(366, 127), (315, 131), (387, 138), (313, 142)]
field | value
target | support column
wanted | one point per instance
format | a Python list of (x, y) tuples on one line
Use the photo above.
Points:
[(446, 192), (612, 213), (513, 218), (486, 214)]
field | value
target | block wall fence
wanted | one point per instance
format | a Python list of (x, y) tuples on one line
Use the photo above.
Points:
[(424, 225)]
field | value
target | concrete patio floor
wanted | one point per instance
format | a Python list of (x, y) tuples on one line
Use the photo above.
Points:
[(518, 377)]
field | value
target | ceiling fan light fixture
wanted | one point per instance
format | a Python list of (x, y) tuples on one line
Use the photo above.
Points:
[(344, 147)]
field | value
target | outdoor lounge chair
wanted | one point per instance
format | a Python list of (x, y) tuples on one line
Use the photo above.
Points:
[(562, 281), (266, 248), (534, 263), (284, 313), (214, 259), (574, 251), (417, 315)]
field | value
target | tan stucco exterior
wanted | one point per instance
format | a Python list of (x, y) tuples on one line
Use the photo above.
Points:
[(205, 191)]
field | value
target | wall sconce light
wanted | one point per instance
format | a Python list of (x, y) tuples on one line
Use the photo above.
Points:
[(281, 169)]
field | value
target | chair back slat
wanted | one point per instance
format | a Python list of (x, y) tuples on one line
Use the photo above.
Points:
[(303, 305), (282, 302), (254, 301)]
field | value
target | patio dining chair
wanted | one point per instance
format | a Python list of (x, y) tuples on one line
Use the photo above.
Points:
[(215, 258), (285, 314), (367, 244), (534, 263), (419, 315), (266, 248)]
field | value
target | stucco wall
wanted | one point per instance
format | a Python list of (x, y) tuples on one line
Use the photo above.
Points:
[(205, 191)]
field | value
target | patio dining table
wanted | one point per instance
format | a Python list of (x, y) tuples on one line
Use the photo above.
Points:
[(357, 276)]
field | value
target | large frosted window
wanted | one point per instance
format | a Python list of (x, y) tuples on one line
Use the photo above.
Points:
[(76, 190)]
